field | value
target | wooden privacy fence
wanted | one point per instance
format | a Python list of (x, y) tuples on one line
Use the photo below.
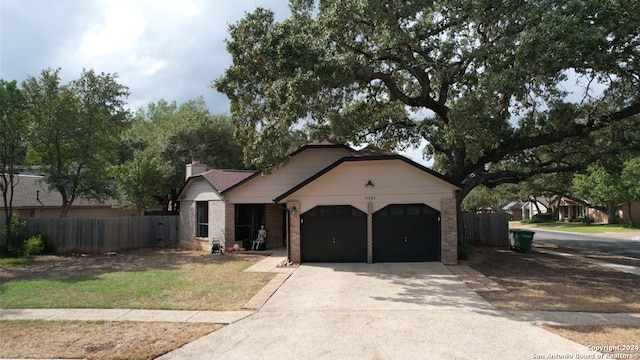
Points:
[(94, 236), (486, 229)]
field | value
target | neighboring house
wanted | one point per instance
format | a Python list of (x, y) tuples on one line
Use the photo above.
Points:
[(531, 207), (32, 199), (329, 203), (514, 209), (568, 209), (633, 212)]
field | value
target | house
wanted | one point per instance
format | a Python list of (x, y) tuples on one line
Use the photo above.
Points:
[(31, 199), (533, 207), (567, 209), (514, 209), (630, 212), (328, 203)]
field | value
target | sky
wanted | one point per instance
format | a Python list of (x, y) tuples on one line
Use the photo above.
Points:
[(169, 49)]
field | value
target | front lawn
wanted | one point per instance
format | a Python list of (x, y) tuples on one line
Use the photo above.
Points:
[(578, 227), (175, 280)]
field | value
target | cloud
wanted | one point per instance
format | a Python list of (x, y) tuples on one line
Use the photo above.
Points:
[(172, 49)]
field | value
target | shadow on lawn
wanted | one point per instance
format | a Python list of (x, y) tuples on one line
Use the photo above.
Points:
[(546, 282)]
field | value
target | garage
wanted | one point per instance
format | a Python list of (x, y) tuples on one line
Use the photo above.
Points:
[(406, 232), (335, 233)]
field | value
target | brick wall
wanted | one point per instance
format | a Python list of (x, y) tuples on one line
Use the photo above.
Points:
[(230, 225), (294, 233), (369, 233), (187, 224), (449, 231), (274, 219)]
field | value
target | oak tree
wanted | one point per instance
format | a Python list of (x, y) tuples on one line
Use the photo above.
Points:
[(484, 85)]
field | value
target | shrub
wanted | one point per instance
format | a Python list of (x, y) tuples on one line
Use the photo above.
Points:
[(464, 251), (16, 226), (541, 218), (38, 244)]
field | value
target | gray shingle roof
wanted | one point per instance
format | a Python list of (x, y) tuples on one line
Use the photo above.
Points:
[(31, 191)]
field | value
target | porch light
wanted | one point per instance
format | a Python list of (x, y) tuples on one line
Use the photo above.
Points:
[(294, 210)]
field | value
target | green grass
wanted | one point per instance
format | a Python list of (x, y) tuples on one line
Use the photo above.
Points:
[(586, 229), (213, 286), (14, 261)]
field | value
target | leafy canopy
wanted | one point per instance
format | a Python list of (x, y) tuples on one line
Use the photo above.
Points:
[(484, 84), (162, 140), (73, 130)]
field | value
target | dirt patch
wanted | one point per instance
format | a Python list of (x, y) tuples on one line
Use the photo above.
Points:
[(546, 282), (608, 339), (95, 340)]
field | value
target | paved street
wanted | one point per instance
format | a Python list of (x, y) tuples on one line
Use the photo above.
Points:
[(613, 243)]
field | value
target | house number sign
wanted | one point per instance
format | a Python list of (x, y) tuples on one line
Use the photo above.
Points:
[(369, 198)]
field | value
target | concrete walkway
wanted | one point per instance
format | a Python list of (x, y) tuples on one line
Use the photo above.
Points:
[(578, 318), (619, 267), (216, 317)]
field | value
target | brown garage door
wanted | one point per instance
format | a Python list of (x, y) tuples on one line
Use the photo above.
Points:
[(335, 233), (406, 232)]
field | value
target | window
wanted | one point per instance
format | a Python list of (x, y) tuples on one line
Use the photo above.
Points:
[(582, 211), (202, 219), (249, 218)]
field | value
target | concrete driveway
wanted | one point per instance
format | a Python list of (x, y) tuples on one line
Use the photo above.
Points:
[(377, 311)]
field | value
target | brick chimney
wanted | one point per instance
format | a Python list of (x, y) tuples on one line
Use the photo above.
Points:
[(195, 168)]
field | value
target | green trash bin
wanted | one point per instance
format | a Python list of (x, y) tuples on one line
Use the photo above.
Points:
[(523, 240)]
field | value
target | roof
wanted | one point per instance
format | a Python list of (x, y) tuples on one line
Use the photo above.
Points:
[(517, 205), (540, 199), (369, 153), (326, 144), (31, 191), (224, 179)]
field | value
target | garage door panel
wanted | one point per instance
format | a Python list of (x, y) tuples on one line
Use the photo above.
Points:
[(334, 234), (406, 232)]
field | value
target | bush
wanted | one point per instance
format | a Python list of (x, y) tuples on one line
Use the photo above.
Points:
[(464, 251), (541, 218), (38, 244), (586, 219)]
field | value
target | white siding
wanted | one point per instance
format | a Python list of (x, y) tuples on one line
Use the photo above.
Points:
[(199, 190), (395, 182), (263, 189)]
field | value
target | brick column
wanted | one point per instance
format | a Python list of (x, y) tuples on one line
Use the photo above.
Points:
[(369, 232), (449, 231), (229, 225), (295, 252), (274, 226)]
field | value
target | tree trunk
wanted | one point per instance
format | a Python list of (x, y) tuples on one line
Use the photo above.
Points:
[(633, 225), (612, 214), (64, 210), (8, 229)]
